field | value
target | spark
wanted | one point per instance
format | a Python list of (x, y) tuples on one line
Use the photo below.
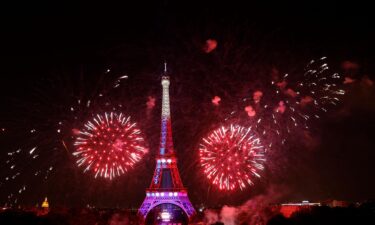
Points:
[(123, 77), (32, 150)]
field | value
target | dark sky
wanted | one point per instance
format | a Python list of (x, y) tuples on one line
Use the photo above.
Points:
[(52, 54)]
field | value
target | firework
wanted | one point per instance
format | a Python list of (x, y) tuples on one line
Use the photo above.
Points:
[(109, 145), (232, 156), (319, 88), (297, 102), (286, 106)]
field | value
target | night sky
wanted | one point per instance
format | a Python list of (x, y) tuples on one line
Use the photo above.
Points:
[(53, 55)]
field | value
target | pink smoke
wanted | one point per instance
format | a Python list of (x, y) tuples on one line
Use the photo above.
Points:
[(75, 131), (306, 100), (275, 75), (150, 102), (119, 219), (282, 84), (228, 215), (311, 142), (256, 211), (349, 65), (210, 216), (257, 96), (367, 81), (250, 111), (210, 45), (348, 80), (281, 107), (290, 92), (216, 100)]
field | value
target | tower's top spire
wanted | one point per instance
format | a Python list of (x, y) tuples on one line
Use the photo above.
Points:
[(165, 68)]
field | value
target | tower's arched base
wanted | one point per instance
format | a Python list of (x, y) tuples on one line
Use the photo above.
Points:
[(165, 214), (154, 199)]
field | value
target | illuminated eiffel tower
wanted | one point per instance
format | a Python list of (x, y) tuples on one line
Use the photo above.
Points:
[(166, 194)]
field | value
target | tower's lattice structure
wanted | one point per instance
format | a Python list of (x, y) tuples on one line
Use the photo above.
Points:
[(166, 185)]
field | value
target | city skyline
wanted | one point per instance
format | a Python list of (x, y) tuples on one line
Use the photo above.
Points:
[(61, 66)]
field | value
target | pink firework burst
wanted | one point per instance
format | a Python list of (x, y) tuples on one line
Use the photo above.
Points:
[(109, 145), (232, 156)]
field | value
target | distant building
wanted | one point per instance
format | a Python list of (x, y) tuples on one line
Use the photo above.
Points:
[(287, 209), (45, 204), (44, 209)]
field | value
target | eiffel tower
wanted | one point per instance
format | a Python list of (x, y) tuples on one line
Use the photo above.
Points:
[(166, 194)]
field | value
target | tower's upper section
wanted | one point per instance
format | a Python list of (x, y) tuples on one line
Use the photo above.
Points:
[(165, 110), (166, 142)]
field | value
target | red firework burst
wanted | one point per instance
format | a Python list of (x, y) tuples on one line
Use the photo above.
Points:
[(231, 157), (109, 145)]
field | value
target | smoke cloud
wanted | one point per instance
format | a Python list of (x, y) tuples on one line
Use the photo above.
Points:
[(250, 111), (281, 107), (349, 65), (256, 211), (306, 100), (367, 81), (150, 102), (290, 92), (282, 84), (257, 96), (210, 216), (210, 45), (119, 219), (348, 80), (229, 215), (216, 100)]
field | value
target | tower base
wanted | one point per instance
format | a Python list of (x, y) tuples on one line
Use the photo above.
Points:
[(156, 198)]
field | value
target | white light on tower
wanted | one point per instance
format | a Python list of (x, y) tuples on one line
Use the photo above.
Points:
[(165, 216)]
